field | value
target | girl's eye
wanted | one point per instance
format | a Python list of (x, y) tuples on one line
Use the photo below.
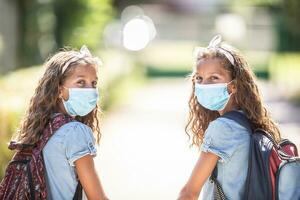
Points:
[(81, 82), (198, 78), (214, 78), (94, 84)]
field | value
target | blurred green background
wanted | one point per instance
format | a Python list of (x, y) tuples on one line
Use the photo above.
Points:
[(139, 41)]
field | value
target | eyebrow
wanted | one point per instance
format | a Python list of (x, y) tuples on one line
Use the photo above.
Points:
[(213, 73), (82, 76)]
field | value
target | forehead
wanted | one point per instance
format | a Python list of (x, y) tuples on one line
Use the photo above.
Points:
[(84, 70), (210, 66)]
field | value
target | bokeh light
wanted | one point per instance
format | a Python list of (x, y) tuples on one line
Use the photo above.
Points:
[(231, 26), (137, 33)]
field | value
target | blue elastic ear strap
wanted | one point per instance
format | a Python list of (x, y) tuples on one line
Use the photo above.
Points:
[(238, 117)]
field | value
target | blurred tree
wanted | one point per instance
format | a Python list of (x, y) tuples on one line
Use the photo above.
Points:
[(289, 26), (121, 4), (46, 25), (287, 20), (81, 21), (28, 33)]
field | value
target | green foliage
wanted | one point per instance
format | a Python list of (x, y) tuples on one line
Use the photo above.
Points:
[(257, 2), (81, 21), (16, 90), (9, 121), (48, 25), (285, 70), (285, 15), (288, 26)]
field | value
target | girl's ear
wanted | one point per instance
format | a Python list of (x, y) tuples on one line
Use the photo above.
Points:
[(60, 92), (232, 87), (63, 93)]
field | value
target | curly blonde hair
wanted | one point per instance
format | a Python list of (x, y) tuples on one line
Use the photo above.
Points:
[(247, 97), (45, 99)]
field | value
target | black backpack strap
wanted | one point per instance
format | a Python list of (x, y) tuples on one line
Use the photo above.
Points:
[(213, 176), (78, 192)]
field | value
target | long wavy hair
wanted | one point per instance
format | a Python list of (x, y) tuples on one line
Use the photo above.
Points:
[(45, 99), (247, 97)]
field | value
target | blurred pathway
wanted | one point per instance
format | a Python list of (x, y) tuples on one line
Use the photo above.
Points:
[(144, 152)]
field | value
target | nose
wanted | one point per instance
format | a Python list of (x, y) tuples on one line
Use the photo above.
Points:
[(205, 81), (89, 85)]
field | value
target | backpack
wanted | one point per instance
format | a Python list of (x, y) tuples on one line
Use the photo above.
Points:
[(273, 169), (24, 177)]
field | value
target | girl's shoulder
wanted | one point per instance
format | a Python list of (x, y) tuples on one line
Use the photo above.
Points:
[(226, 129), (76, 125), (72, 126), (224, 124), (76, 130), (223, 137), (78, 141)]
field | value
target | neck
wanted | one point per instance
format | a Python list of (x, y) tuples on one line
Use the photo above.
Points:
[(61, 108)]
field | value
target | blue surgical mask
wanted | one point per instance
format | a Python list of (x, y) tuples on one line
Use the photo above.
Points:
[(212, 96), (81, 101)]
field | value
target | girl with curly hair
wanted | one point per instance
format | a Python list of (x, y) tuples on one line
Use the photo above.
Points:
[(69, 87), (222, 82)]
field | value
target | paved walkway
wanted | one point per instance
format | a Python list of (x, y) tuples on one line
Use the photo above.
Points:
[(144, 152)]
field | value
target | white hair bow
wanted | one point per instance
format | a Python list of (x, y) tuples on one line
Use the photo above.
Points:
[(82, 53), (215, 43)]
